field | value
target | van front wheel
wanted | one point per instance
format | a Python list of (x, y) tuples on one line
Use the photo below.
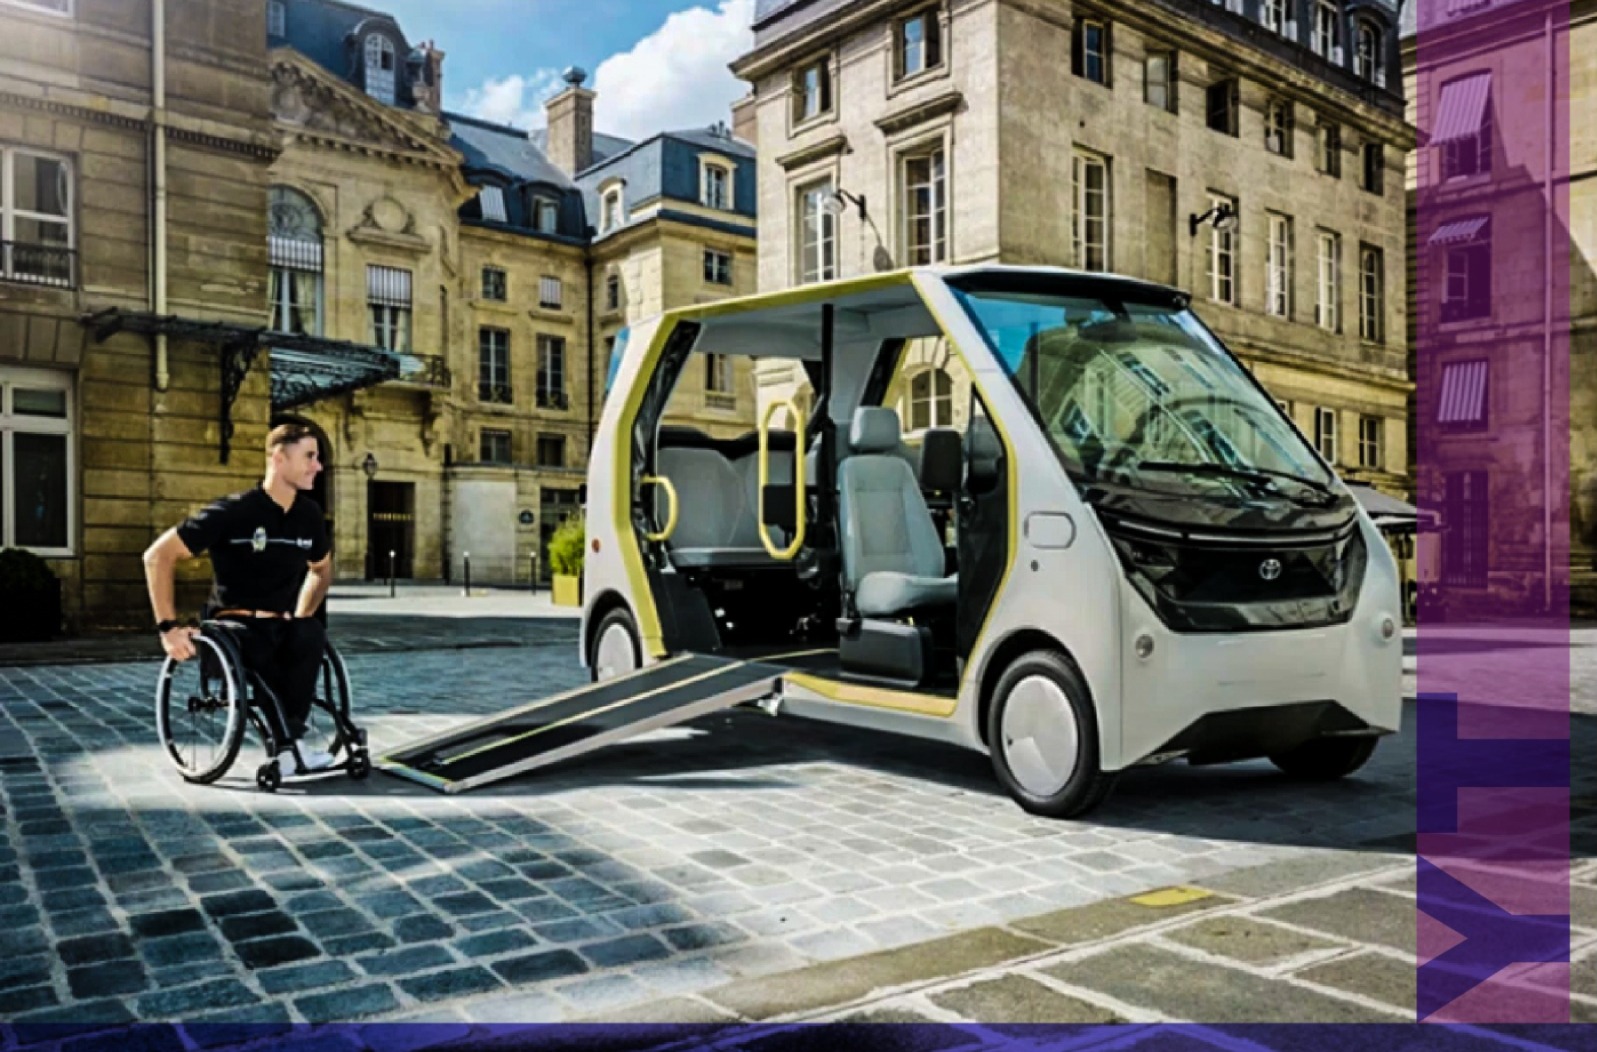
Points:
[(616, 651), (1042, 733)]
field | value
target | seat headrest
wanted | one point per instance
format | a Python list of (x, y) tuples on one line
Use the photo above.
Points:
[(875, 430), (942, 460)]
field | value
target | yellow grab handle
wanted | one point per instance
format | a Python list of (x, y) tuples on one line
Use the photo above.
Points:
[(671, 519), (783, 554)]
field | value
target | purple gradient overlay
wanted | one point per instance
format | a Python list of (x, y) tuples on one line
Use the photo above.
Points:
[(1494, 670)]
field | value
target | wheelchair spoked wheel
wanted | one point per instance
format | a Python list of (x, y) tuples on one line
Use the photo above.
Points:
[(332, 697), (200, 712)]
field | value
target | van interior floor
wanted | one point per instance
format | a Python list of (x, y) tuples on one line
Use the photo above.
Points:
[(817, 660)]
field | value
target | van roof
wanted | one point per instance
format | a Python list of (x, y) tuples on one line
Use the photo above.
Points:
[(824, 290)]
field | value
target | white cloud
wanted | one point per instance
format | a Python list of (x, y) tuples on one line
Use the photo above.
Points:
[(514, 100), (674, 78), (677, 76)]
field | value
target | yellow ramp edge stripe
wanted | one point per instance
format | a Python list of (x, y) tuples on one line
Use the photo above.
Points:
[(1164, 898)]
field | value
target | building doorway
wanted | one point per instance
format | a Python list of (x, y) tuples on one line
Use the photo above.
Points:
[(390, 528), (554, 507)]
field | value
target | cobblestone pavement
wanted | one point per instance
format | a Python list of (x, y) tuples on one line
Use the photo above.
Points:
[(707, 872)]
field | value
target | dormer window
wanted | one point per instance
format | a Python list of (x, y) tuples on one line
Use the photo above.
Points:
[(380, 68), (715, 186), (1324, 38), (493, 204), (612, 212), (1367, 55), (545, 216)]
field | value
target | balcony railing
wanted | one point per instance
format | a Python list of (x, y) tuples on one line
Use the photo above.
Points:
[(496, 393), (34, 264), (425, 370), (549, 398)]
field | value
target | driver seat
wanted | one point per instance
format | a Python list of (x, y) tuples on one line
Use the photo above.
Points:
[(893, 558)]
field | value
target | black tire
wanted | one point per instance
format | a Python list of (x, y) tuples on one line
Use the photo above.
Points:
[(618, 616), (223, 691), (1087, 786), (1325, 759), (268, 777), (333, 695)]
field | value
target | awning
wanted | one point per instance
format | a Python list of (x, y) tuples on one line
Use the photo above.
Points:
[(304, 369), (1460, 231), (1461, 107), (1463, 393), (1388, 512)]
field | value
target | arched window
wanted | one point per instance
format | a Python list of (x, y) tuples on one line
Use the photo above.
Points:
[(1367, 63), (294, 251), (931, 400), (380, 68)]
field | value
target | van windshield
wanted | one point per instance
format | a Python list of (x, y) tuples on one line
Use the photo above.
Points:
[(1140, 393)]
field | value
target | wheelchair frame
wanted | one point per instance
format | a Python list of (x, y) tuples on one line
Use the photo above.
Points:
[(243, 695)]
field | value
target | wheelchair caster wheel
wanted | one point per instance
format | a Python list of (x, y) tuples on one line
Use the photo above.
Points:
[(360, 765), (268, 778)]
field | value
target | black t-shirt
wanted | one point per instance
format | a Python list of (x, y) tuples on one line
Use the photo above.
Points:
[(259, 552)]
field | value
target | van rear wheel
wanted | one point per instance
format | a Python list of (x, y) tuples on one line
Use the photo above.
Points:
[(1325, 759), (1042, 734), (616, 651)]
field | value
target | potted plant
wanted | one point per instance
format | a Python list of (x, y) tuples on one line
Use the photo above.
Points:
[(32, 610), (565, 560)]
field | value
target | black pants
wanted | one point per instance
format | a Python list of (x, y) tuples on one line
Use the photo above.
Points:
[(288, 656)]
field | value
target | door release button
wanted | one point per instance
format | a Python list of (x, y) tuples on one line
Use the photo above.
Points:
[(1050, 529)]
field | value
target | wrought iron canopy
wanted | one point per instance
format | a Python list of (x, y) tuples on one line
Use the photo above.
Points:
[(304, 369)]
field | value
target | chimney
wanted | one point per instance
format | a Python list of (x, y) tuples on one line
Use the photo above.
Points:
[(570, 140), (746, 120), (427, 78)]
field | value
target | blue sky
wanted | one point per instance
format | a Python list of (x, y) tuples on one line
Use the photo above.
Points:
[(655, 64)]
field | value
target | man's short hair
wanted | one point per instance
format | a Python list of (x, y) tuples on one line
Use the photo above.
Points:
[(287, 435)]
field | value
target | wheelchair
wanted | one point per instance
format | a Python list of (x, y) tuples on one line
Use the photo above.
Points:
[(215, 688)]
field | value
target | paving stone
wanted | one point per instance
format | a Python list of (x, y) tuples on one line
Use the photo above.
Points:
[(343, 1005), (256, 926), (93, 949), (167, 922), (1357, 914), (1182, 988), (349, 945), (295, 978), (422, 928), (17, 1001), (1372, 975), (71, 899), (1247, 940), (180, 949), (186, 1001), (109, 979), (1020, 999), (493, 944), (539, 967), (342, 921), (238, 903), (24, 971), (269, 953), (625, 951), (1101, 920), (702, 936), (458, 982), (405, 961)]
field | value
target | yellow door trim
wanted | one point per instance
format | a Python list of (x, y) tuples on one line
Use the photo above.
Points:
[(874, 697)]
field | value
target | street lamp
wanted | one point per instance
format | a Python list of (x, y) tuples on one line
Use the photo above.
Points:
[(369, 466), (836, 201), (1223, 215)]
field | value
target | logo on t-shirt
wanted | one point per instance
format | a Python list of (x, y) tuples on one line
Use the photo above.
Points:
[(258, 542)]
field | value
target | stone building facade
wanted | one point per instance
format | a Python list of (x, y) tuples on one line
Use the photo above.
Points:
[(1503, 207), (116, 124), (424, 288), (1101, 136)]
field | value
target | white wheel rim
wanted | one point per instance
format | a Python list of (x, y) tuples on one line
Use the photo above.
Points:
[(615, 655), (1040, 743)]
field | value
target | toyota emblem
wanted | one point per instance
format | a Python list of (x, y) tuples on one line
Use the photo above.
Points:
[(1270, 569)]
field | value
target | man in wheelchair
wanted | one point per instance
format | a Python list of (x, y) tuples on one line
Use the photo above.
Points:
[(272, 564)]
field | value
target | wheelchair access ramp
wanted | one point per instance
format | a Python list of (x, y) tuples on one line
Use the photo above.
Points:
[(581, 721)]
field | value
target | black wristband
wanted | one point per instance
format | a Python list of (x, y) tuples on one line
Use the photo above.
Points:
[(163, 627)]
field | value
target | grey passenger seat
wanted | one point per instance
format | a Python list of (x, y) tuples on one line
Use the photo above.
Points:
[(893, 559), (717, 507)]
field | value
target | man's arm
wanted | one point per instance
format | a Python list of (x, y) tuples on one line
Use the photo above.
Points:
[(318, 579), (160, 561)]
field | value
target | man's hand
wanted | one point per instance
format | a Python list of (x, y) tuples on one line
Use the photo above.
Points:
[(178, 642)]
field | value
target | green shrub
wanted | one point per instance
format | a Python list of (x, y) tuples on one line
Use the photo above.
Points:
[(566, 547), (23, 573)]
